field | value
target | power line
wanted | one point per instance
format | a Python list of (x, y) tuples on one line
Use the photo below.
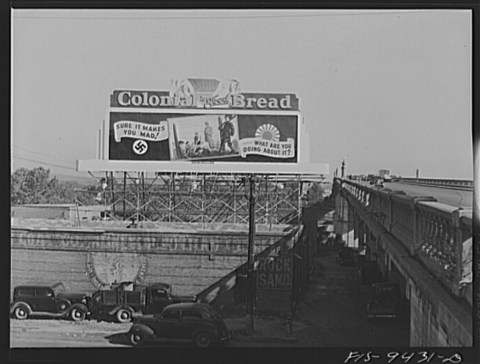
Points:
[(48, 164), (36, 152)]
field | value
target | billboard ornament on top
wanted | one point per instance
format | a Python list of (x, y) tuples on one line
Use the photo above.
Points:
[(206, 93)]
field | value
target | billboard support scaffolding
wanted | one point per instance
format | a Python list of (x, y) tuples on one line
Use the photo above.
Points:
[(200, 198)]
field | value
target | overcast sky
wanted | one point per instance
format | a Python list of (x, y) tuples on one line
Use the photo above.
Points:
[(382, 89)]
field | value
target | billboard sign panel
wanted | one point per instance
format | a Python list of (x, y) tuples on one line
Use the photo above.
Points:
[(164, 136), (203, 120), (203, 94)]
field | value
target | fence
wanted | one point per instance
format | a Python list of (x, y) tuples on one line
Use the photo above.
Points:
[(440, 182)]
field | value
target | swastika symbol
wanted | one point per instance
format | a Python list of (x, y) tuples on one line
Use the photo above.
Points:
[(140, 147)]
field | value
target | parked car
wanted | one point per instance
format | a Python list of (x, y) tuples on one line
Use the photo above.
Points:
[(369, 272), (47, 299), (123, 300), (346, 256), (197, 322), (385, 302)]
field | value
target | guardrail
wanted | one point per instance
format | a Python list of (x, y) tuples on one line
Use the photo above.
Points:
[(432, 232), (439, 182)]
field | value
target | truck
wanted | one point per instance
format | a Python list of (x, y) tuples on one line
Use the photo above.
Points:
[(385, 174), (121, 301)]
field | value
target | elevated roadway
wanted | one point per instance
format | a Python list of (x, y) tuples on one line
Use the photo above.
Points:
[(445, 195)]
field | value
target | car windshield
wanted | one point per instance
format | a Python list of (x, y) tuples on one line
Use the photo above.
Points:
[(57, 288), (97, 296), (159, 293), (171, 314)]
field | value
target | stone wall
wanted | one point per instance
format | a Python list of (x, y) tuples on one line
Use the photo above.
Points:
[(433, 324), (86, 259)]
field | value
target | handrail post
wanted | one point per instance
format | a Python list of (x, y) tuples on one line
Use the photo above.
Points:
[(416, 233), (458, 236)]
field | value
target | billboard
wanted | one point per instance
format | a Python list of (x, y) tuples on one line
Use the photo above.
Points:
[(203, 120), (227, 137), (203, 125)]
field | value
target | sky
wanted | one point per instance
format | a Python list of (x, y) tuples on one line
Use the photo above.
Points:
[(380, 89)]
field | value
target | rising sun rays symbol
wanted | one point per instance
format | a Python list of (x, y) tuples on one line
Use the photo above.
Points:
[(268, 132)]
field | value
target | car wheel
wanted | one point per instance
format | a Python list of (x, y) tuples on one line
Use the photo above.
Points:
[(203, 340), (137, 338), (77, 314), (63, 306), (21, 313), (124, 315)]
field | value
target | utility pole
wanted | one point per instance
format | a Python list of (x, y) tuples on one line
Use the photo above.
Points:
[(137, 185), (251, 258), (104, 182)]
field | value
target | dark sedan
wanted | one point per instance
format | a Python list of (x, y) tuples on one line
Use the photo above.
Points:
[(369, 272), (346, 256), (47, 299), (195, 322), (385, 302)]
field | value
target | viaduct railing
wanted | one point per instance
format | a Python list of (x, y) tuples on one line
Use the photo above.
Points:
[(432, 232), (439, 182)]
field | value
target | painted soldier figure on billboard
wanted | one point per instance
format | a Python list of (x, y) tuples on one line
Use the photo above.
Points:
[(226, 132), (196, 139), (183, 149), (209, 135)]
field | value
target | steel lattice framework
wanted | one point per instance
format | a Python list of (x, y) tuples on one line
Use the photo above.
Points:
[(184, 197)]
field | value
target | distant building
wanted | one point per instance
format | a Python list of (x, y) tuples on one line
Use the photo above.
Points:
[(384, 173), (60, 211)]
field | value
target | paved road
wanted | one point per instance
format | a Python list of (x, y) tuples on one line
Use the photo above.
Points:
[(458, 198)]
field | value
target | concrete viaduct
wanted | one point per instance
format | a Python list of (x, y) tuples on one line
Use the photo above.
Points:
[(425, 246)]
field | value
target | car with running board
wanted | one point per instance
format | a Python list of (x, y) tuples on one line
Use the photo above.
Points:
[(198, 323), (52, 300)]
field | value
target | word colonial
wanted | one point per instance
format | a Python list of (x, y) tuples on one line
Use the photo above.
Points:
[(162, 99)]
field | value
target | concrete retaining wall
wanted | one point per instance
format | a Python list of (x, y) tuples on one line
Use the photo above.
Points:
[(86, 259), (432, 324)]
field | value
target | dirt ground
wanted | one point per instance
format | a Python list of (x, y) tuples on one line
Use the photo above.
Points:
[(332, 314), (334, 308), (61, 333)]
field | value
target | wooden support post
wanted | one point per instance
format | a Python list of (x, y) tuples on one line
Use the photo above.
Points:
[(251, 259)]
